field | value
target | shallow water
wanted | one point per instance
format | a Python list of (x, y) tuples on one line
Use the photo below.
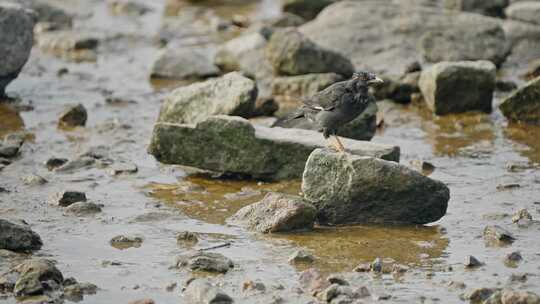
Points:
[(471, 154)]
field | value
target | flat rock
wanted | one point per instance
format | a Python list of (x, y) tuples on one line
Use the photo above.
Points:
[(83, 209), (16, 30), (185, 63), (527, 11), (350, 189), (232, 145), (232, 94), (201, 291), (456, 87), (205, 261), (18, 237), (524, 103), (354, 29), (291, 53), (277, 212)]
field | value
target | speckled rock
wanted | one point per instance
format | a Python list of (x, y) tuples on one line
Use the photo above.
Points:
[(232, 94), (205, 261), (524, 103), (201, 291), (527, 11), (16, 30), (232, 145), (277, 213), (349, 189), (455, 87)]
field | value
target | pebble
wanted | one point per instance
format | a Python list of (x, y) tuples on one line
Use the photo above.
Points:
[(55, 162), (472, 262), (67, 197), (301, 256), (75, 116), (187, 238), (497, 233), (34, 180), (126, 241)]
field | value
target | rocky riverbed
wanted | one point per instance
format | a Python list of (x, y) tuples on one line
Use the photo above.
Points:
[(87, 213)]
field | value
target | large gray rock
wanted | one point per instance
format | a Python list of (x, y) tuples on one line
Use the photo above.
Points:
[(232, 94), (277, 212), (455, 87), (301, 86), (16, 38), (361, 128), (384, 35), (527, 11), (185, 63), (201, 291), (291, 53), (232, 145), (524, 104), (493, 8), (235, 54), (17, 237), (350, 189)]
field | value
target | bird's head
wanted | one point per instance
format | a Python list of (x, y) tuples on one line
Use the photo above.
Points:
[(366, 78)]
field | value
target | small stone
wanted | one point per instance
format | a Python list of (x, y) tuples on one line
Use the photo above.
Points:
[(34, 180), (456, 285), (497, 233), (277, 213), (123, 168), (426, 168), (513, 258), (55, 162), (11, 145), (126, 241), (75, 116), (510, 296), (334, 291), (472, 262), (171, 287), (18, 237), (83, 209), (364, 267), (518, 277), (301, 257), (76, 164), (503, 187), (187, 238), (37, 276), (201, 291), (205, 261), (336, 279), (479, 295), (522, 214), (253, 286), (143, 301), (76, 292), (67, 197), (524, 103)]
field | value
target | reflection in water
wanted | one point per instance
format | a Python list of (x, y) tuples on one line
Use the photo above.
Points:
[(214, 200), (10, 120), (344, 248), (528, 135)]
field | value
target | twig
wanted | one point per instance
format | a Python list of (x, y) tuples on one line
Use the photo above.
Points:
[(215, 247)]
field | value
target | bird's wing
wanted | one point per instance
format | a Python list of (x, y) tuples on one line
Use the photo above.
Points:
[(327, 99)]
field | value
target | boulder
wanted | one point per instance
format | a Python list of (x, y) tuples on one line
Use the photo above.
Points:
[(16, 30), (355, 29), (18, 237), (37, 277), (232, 145), (201, 291), (527, 11), (350, 189), (361, 128), (205, 261), (307, 9), (291, 53), (302, 86), (456, 87), (184, 63), (494, 8), (277, 212), (234, 54), (232, 94), (524, 103)]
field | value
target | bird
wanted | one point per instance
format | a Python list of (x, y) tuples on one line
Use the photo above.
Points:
[(338, 104)]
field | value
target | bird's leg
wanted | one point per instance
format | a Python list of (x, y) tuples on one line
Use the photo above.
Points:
[(339, 146)]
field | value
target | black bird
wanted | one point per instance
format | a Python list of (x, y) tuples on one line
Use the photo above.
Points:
[(338, 104)]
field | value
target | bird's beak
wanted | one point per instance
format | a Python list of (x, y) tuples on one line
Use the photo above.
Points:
[(377, 80)]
